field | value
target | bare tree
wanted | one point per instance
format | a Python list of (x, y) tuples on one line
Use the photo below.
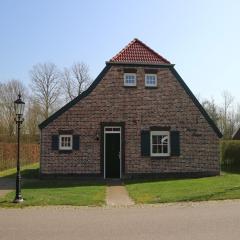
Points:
[(1, 112), (46, 87), (212, 109), (8, 94), (68, 84), (227, 115), (33, 118), (227, 103), (238, 116), (75, 80)]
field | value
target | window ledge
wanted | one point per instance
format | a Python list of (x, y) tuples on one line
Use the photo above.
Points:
[(125, 86), (65, 151), (160, 157), (148, 87)]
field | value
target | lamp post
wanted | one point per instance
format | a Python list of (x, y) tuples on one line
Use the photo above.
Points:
[(19, 108)]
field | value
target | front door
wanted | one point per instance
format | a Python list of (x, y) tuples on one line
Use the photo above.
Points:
[(112, 152)]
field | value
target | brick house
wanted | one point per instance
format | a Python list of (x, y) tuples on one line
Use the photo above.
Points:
[(137, 119)]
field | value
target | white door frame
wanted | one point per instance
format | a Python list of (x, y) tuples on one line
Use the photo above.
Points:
[(113, 130)]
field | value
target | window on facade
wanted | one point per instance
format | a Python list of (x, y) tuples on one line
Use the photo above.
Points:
[(150, 80), (160, 145), (130, 79), (65, 142)]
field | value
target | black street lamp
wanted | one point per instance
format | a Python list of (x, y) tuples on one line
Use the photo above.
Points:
[(19, 108)]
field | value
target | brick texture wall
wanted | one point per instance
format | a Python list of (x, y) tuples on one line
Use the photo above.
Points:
[(140, 108)]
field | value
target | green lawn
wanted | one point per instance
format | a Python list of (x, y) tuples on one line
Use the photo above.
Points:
[(38, 192), (226, 186), (76, 192), (57, 192), (28, 171)]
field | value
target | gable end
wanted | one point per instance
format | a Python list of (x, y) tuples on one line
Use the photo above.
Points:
[(196, 102), (92, 87), (102, 74)]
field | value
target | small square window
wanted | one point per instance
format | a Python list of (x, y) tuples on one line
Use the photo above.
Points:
[(160, 145), (65, 142), (130, 79), (150, 80)]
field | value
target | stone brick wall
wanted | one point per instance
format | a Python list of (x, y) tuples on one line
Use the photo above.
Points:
[(140, 108)]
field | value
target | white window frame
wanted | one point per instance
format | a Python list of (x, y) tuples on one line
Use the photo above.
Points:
[(150, 85), (65, 147), (157, 133), (130, 84)]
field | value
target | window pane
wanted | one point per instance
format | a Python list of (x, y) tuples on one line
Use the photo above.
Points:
[(164, 139), (159, 149), (154, 149), (62, 141), (154, 139), (165, 148)]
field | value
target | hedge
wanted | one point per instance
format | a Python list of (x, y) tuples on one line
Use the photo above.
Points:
[(230, 153), (29, 153)]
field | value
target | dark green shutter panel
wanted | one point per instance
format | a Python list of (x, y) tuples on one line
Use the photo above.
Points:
[(55, 142), (145, 143), (76, 142), (175, 143)]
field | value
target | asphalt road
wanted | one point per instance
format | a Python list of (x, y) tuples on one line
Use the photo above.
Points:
[(6, 185), (213, 220)]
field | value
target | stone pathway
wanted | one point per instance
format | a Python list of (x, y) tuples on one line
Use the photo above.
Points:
[(6, 185), (117, 194)]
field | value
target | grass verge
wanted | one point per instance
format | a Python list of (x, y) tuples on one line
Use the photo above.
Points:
[(57, 192), (226, 186), (38, 192)]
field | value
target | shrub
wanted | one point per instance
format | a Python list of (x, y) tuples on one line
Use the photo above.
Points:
[(230, 153)]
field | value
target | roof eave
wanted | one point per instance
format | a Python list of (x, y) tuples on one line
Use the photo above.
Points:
[(140, 64)]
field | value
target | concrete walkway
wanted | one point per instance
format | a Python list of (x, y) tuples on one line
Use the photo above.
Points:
[(6, 185), (117, 195)]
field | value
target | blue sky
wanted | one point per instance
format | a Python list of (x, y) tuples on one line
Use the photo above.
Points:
[(201, 37)]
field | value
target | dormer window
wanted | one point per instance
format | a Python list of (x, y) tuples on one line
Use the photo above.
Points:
[(130, 79), (151, 80)]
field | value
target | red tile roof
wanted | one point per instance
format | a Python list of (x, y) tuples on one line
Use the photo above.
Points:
[(138, 52)]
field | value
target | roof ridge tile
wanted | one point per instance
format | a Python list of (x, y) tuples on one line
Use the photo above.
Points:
[(137, 51)]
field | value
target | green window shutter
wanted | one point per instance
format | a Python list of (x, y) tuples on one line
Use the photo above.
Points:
[(55, 142), (175, 143), (145, 143), (76, 142)]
